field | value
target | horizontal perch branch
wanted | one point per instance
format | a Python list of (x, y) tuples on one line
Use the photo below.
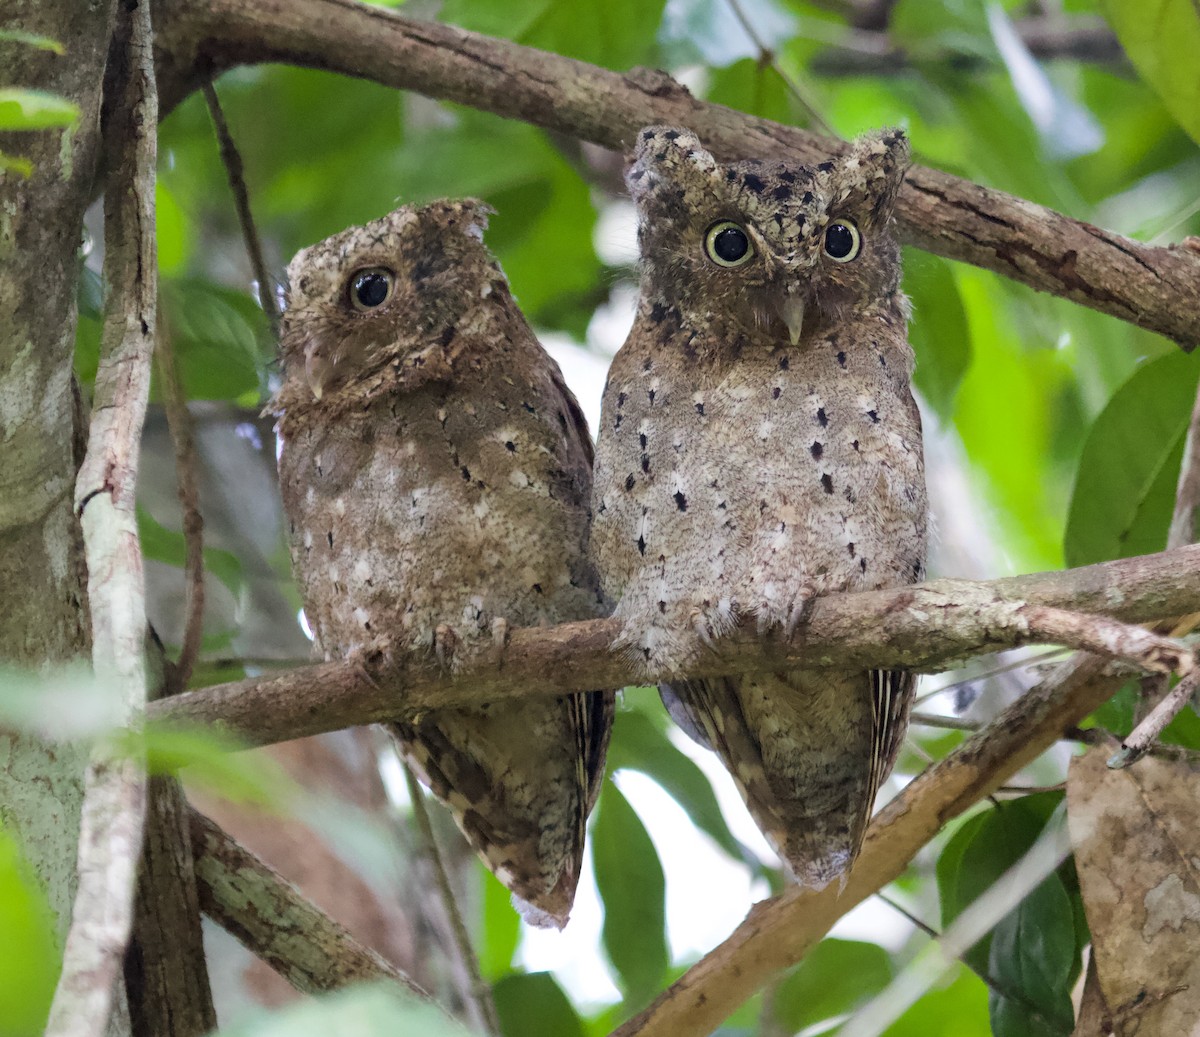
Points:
[(923, 627), (1154, 287)]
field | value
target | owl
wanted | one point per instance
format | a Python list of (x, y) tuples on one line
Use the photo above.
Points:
[(435, 473), (759, 446)]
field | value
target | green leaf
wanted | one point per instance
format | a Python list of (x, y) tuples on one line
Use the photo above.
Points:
[(13, 163), (22, 109), (364, 1011), (939, 333), (1162, 39), (219, 337), (1033, 957), (32, 39), (499, 928), (615, 33), (1116, 716), (171, 230), (957, 1010), (533, 1003), (639, 744), (632, 888), (983, 848), (834, 978), (750, 86), (168, 545), (1125, 488), (30, 958)]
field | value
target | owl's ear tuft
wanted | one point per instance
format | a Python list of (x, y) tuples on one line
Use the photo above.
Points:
[(667, 154), (470, 215), (873, 170)]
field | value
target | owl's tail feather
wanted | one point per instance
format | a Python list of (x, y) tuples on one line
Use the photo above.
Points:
[(800, 747), (519, 781)]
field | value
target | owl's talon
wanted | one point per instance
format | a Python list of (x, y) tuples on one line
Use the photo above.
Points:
[(703, 629), (500, 633), (798, 614), (445, 641)]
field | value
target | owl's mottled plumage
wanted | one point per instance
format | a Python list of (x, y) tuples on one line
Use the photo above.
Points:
[(435, 473), (760, 445)]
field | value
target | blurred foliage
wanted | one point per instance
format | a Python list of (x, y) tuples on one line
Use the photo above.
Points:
[(30, 958), (1055, 431), (365, 1011)]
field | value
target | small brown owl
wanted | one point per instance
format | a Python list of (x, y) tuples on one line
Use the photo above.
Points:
[(435, 473), (759, 446)]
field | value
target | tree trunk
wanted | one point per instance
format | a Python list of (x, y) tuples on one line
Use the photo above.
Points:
[(43, 615)]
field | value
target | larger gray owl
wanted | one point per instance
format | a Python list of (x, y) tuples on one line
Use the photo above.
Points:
[(759, 446), (435, 473)]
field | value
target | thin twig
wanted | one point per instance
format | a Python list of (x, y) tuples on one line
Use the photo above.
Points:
[(900, 909), (766, 56), (1146, 733), (1031, 660), (235, 171), (1030, 790), (1182, 530), (114, 806), (179, 423), (480, 993), (949, 723)]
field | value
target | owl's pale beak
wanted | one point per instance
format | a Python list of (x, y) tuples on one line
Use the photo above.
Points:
[(791, 310), (316, 372)]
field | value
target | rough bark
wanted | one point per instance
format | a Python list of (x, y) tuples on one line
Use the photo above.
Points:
[(248, 897), (1155, 288), (42, 614)]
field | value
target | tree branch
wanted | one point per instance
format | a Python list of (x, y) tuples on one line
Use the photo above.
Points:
[(861, 52), (779, 932), (1153, 287), (114, 807), (921, 627), (248, 898)]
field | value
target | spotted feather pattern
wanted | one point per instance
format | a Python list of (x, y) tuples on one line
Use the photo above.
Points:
[(759, 446)]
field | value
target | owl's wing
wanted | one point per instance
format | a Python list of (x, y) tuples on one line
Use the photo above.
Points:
[(519, 794), (892, 693), (578, 430), (592, 717)]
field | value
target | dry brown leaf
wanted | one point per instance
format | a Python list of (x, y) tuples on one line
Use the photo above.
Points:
[(1137, 848)]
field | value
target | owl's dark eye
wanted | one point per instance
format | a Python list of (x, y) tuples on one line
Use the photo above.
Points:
[(842, 240), (727, 244), (371, 288)]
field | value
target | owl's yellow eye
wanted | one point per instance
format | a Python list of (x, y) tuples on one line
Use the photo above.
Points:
[(727, 244), (371, 288), (842, 241)]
